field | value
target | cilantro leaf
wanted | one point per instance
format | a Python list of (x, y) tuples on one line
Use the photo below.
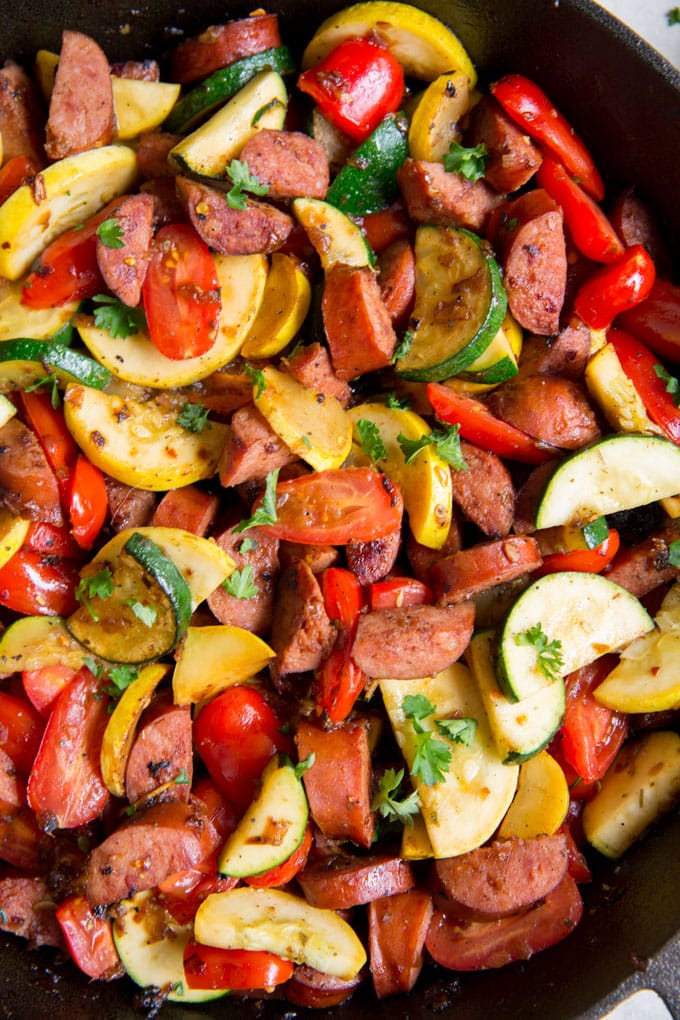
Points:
[(371, 441), (258, 380), (467, 163), (265, 513), (121, 676), (110, 233), (120, 320), (99, 585), (386, 803), (240, 583), (397, 403), (446, 441), (461, 731), (403, 346), (193, 417), (549, 658), (247, 545), (417, 706), (242, 180), (147, 614), (182, 777), (672, 384), (47, 380), (433, 757)]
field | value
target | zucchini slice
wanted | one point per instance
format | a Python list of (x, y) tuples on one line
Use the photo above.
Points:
[(36, 641), (499, 360), (335, 237), (541, 802), (151, 948), (368, 181), (211, 659), (146, 612), (141, 105), (616, 473), (584, 615), (16, 320), (24, 362), (222, 85), (459, 307), (271, 829), (208, 150)]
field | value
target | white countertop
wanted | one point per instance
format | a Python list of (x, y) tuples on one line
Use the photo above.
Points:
[(649, 18)]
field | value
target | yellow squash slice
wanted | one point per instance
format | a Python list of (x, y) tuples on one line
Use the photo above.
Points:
[(211, 659), (120, 730), (286, 300), (140, 443), (13, 531), (141, 105), (435, 120), (541, 802), (74, 188), (16, 320)]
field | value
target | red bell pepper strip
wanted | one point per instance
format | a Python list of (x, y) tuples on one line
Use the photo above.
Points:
[(88, 503), (656, 320), (591, 231), (38, 584), (592, 561), (58, 444), (89, 939), (650, 380), (21, 730), (529, 107), (355, 86), (399, 592), (212, 967), (615, 288), (51, 539), (16, 171), (339, 681), (479, 426)]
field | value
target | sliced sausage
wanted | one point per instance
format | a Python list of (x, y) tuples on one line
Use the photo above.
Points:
[(397, 276), (314, 990), (290, 163), (152, 154), (642, 567), (528, 496), (480, 945), (553, 410), (167, 207), (148, 847), (129, 507), (27, 909), (635, 223), (261, 554), (484, 491), (223, 391), (189, 508), (338, 783), (412, 641), (12, 787), (81, 106), (317, 557), (259, 227), (22, 843), (565, 354), (162, 752), (505, 876), (221, 45), (512, 158), (138, 70), (421, 557), (124, 268), (302, 633), (251, 449), (311, 366), (28, 486), (342, 882), (397, 928), (21, 116), (471, 571), (433, 195), (357, 324), (371, 561), (534, 257)]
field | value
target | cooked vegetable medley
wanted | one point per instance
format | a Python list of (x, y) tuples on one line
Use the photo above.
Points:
[(339, 507)]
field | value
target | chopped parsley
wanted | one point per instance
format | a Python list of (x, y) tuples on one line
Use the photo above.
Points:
[(304, 765), (460, 731), (265, 513), (118, 319), (404, 345), (467, 163), (193, 417), (247, 545), (549, 658), (147, 614), (99, 585), (390, 802), (446, 441), (672, 384), (120, 678), (182, 778), (433, 757), (240, 583), (674, 553), (258, 380), (47, 380), (95, 668), (371, 441), (242, 180), (397, 403), (110, 233)]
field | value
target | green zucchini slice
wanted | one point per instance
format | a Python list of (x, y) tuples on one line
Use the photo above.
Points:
[(460, 304), (24, 361), (337, 239), (368, 181)]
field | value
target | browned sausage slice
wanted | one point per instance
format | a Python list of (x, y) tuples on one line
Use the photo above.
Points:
[(259, 227), (398, 280), (189, 508), (261, 554), (484, 491), (471, 571), (221, 45), (81, 107), (123, 267), (290, 163), (513, 158), (635, 223), (139, 70), (412, 641), (565, 354), (528, 496), (162, 753), (129, 507), (357, 323), (642, 567), (12, 787), (152, 154), (421, 557), (371, 561), (251, 449), (144, 850), (338, 784), (506, 876), (317, 557), (342, 882), (21, 116), (553, 410), (397, 928), (28, 486), (302, 633), (27, 909), (433, 195), (311, 366), (314, 990)]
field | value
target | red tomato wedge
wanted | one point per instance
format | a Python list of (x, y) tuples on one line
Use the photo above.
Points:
[(615, 288), (650, 380), (21, 730), (52, 539), (38, 584), (287, 871), (355, 86), (88, 503), (58, 444), (656, 320), (17, 171), (336, 507), (181, 293), (182, 893), (529, 107), (65, 787), (591, 561), (42, 685), (591, 231), (339, 681), (398, 592), (591, 734), (481, 427), (89, 939), (211, 967)]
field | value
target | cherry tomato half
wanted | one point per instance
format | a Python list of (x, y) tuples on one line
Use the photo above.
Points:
[(89, 939), (88, 503), (211, 967), (396, 592), (286, 872), (38, 584), (21, 730), (591, 734)]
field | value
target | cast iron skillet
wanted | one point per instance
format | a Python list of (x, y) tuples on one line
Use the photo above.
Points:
[(625, 100)]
